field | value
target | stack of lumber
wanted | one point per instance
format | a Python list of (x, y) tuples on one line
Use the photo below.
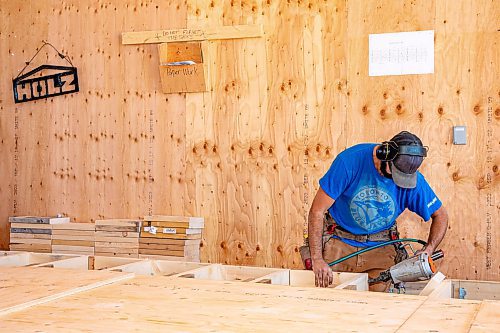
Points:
[(33, 233), (73, 238), (117, 237), (171, 237)]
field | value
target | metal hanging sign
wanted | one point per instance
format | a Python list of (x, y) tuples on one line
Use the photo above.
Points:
[(45, 81)]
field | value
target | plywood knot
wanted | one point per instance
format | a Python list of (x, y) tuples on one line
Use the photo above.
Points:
[(364, 110), (399, 109), (440, 110), (477, 110), (223, 245)]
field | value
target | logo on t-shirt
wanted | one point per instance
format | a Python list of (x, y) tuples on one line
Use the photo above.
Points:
[(372, 208)]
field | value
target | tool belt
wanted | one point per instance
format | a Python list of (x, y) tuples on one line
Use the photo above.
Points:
[(331, 228)]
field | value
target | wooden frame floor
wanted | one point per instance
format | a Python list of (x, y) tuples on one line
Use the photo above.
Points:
[(68, 293)]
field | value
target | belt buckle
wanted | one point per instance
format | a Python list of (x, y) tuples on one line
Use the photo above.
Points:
[(361, 238)]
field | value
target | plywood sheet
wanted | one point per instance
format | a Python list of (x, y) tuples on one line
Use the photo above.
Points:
[(220, 306), (22, 287), (224, 306)]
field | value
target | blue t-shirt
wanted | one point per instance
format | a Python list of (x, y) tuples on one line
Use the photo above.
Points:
[(365, 201)]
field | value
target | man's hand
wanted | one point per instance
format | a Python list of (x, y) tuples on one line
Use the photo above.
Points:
[(323, 275), (425, 249)]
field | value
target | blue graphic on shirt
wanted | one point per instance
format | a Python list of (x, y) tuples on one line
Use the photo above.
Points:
[(372, 208)]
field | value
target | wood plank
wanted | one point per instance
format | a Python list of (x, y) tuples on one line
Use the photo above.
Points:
[(169, 236), (359, 282), (167, 246), (73, 232), (117, 244), (71, 237), (175, 253), (30, 231), (120, 234), (117, 239), (116, 228), (39, 220), (433, 284), (30, 236), (72, 248), (73, 242), (185, 35), (116, 254), (168, 258), (101, 250), (75, 252), (29, 241), (119, 222), (31, 247), (196, 220), (31, 226), (477, 290), (487, 318), (24, 287), (175, 224), (440, 315), (167, 241), (74, 226), (171, 230)]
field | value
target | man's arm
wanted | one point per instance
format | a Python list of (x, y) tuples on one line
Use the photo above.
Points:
[(322, 272), (439, 225)]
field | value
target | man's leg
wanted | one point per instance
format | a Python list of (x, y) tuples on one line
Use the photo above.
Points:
[(376, 261)]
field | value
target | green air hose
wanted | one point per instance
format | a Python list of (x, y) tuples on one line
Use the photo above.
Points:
[(335, 262)]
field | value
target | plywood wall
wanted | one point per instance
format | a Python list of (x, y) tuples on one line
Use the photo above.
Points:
[(247, 155)]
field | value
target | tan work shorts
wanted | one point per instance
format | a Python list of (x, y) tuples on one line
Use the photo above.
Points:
[(372, 262)]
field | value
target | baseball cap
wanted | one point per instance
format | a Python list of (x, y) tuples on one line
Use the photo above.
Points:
[(404, 167)]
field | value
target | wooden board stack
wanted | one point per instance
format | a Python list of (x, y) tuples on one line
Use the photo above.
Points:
[(117, 237), (73, 238), (171, 237), (33, 233)]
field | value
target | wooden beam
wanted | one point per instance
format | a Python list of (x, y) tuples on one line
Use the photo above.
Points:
[(355, 281), (185, 35), (433, 284)]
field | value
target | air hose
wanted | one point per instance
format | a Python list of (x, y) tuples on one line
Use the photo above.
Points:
[(335, 262)]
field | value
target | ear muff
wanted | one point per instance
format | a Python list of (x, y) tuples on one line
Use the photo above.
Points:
[(387, 151)]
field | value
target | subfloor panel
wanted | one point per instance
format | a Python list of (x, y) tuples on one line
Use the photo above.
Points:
[(169, 304), (22, 287)]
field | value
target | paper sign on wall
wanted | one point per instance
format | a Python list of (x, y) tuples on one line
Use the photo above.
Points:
[(401, 53)]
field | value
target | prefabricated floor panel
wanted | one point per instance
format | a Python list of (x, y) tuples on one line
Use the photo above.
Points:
[(173, 304)]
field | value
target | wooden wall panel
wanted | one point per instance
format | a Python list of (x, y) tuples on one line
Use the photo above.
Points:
[(88, 155), (247, 155), (431, 105)]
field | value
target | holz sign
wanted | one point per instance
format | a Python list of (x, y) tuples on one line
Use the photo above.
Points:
[(29, 87)]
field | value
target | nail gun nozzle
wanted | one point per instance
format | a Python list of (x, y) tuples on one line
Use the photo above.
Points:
[(437, 255)]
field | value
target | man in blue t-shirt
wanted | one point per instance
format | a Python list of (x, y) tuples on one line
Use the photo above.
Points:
[(366, 188)]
